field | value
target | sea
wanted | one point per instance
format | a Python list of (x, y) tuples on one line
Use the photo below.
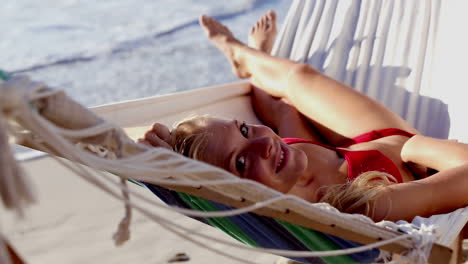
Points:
[(112, 50), (107, 51)]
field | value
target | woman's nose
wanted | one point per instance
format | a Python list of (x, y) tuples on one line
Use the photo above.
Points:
[(262, 146)]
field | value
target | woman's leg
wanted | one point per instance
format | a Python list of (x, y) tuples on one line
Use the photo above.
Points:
[(275, 112), (337, 110)]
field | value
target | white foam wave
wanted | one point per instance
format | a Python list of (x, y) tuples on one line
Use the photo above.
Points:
[(44, 32)]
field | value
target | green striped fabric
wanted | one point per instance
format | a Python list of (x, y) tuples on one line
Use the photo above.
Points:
[(222, 223), (315, 241), (311, 239)]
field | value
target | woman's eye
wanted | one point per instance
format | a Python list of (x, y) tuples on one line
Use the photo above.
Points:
[(240, 164), (244, 130)]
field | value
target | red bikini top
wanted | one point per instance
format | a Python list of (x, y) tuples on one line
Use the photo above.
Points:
[(364, 160)]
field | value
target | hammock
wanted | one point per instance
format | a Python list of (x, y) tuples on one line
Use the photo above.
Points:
[(300, 40), (301, 28)]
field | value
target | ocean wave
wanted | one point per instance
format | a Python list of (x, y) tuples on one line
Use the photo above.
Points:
[(76, 31)]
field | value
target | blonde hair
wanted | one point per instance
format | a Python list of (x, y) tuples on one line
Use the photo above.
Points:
[(189, 138), (357, 196)]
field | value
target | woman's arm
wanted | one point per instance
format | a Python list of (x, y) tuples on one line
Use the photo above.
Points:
[(438, 154), (282, 117), (442, 192)]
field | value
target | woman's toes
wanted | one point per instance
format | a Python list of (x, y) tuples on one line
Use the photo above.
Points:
[(202, 20), (272, 14), (266, 20), (206, 21)]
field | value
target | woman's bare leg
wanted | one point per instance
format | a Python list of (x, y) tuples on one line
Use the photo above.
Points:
[(275, 112), (240, 56), (333, 106)]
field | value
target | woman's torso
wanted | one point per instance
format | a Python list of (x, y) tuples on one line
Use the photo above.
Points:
[(381, 149), (391, 147), (383, 153)]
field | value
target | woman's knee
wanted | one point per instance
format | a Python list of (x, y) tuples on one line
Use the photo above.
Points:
[(299, 75), (300, 70)]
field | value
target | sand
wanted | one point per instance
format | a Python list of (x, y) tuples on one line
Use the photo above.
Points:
[(74, 223)]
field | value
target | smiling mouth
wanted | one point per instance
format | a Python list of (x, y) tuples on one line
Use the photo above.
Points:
[(282, 159)]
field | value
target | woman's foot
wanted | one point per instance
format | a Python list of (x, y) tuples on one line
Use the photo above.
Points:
[(224, 40), (262, 35)]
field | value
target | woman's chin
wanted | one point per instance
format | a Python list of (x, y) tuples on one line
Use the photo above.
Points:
[(295, 167), (300, 160)]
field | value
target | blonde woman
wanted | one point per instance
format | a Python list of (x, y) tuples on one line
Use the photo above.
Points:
[(322, 140)]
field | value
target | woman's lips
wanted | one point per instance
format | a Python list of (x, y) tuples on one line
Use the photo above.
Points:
[(282, 158)]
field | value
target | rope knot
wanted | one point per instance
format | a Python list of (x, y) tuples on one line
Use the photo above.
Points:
[(15, 189), (15, 91)]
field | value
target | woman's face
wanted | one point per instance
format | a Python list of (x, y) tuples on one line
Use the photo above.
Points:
[(254, 152)]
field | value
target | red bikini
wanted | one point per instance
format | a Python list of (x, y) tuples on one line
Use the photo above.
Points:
[(364, 160)]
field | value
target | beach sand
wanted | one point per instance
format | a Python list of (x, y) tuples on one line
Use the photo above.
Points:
[(74, 223)]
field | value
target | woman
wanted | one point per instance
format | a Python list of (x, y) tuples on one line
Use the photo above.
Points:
[(323, 141)]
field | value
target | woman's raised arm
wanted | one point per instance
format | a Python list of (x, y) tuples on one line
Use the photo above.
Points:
[(438, 154), (440, 193)]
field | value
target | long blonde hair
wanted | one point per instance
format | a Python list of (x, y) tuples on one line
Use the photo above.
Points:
[(357, 196), (189, 138)]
